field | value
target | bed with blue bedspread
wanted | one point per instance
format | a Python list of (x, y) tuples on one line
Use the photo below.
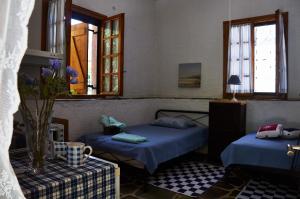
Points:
[(267, 153), (163, 143)]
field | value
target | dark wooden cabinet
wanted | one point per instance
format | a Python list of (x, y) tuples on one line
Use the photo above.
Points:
[(227, 122)]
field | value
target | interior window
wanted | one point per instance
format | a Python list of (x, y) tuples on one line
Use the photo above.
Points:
[(255, 52), (96, 52)]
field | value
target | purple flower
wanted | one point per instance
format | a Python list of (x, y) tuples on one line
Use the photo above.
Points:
[(74, 80), (55, 64), (71, 71), (46, 72)]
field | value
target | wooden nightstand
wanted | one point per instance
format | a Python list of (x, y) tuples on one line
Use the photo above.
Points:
[(227, 122)]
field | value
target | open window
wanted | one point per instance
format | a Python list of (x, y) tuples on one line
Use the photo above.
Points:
[(94, 47), (255, 50), (112, 32), (96, 52)]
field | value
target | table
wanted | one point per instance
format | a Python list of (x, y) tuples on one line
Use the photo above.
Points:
[(97, 178)]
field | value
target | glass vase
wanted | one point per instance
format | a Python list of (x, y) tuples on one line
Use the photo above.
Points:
[(37, 143)]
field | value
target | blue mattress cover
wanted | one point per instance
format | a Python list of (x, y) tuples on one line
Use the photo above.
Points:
[(162, 143), (252, 151)]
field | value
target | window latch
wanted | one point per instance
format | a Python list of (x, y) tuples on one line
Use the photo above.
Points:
[(92, 86)]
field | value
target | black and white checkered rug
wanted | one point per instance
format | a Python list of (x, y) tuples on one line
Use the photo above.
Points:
[(190, 178), (261, 189)]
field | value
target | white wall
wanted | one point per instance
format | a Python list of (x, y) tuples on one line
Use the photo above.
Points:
[(258, 112), (192, 31), (84, 116), (285, 112), (34, 26)]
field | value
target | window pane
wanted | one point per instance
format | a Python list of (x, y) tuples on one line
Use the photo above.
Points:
[(235, 52), (247, 69), (115, 64), (265, 58), (107, 29), (115, 83), (245, 34), (235, 34), (115, 45), (112, 55), (235, 67), (115, 27), (246, 50), (107, 65), (107, 47), (106, 83)]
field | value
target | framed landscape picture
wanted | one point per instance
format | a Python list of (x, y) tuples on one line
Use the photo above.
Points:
[(189, 75)]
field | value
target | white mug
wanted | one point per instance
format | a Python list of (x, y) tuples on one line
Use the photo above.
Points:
[(75, 153)]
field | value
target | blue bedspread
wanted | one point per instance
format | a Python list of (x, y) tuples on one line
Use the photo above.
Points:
[(162, 143), (252, 151)]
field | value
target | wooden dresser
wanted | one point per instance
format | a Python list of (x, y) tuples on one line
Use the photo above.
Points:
[(227, 122)]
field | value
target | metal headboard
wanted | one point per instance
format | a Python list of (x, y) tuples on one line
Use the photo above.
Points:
[(198, 117)]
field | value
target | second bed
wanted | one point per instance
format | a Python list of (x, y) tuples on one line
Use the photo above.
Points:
[(266, 153)]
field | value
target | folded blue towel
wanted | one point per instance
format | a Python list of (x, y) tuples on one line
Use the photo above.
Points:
[(131, 138), (110, 121)]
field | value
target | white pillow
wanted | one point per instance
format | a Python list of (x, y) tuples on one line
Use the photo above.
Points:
[(173, 122), (269, 131), (291, 133)]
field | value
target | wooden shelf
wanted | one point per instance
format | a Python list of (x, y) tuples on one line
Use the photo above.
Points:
[(38, 57)]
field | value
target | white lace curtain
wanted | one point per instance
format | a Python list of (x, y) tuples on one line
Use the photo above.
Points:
[(239, 56), (14, 17), (56, 26), (282, 56)]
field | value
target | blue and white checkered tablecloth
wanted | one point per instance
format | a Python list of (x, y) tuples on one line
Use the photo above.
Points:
[(95, 179)]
